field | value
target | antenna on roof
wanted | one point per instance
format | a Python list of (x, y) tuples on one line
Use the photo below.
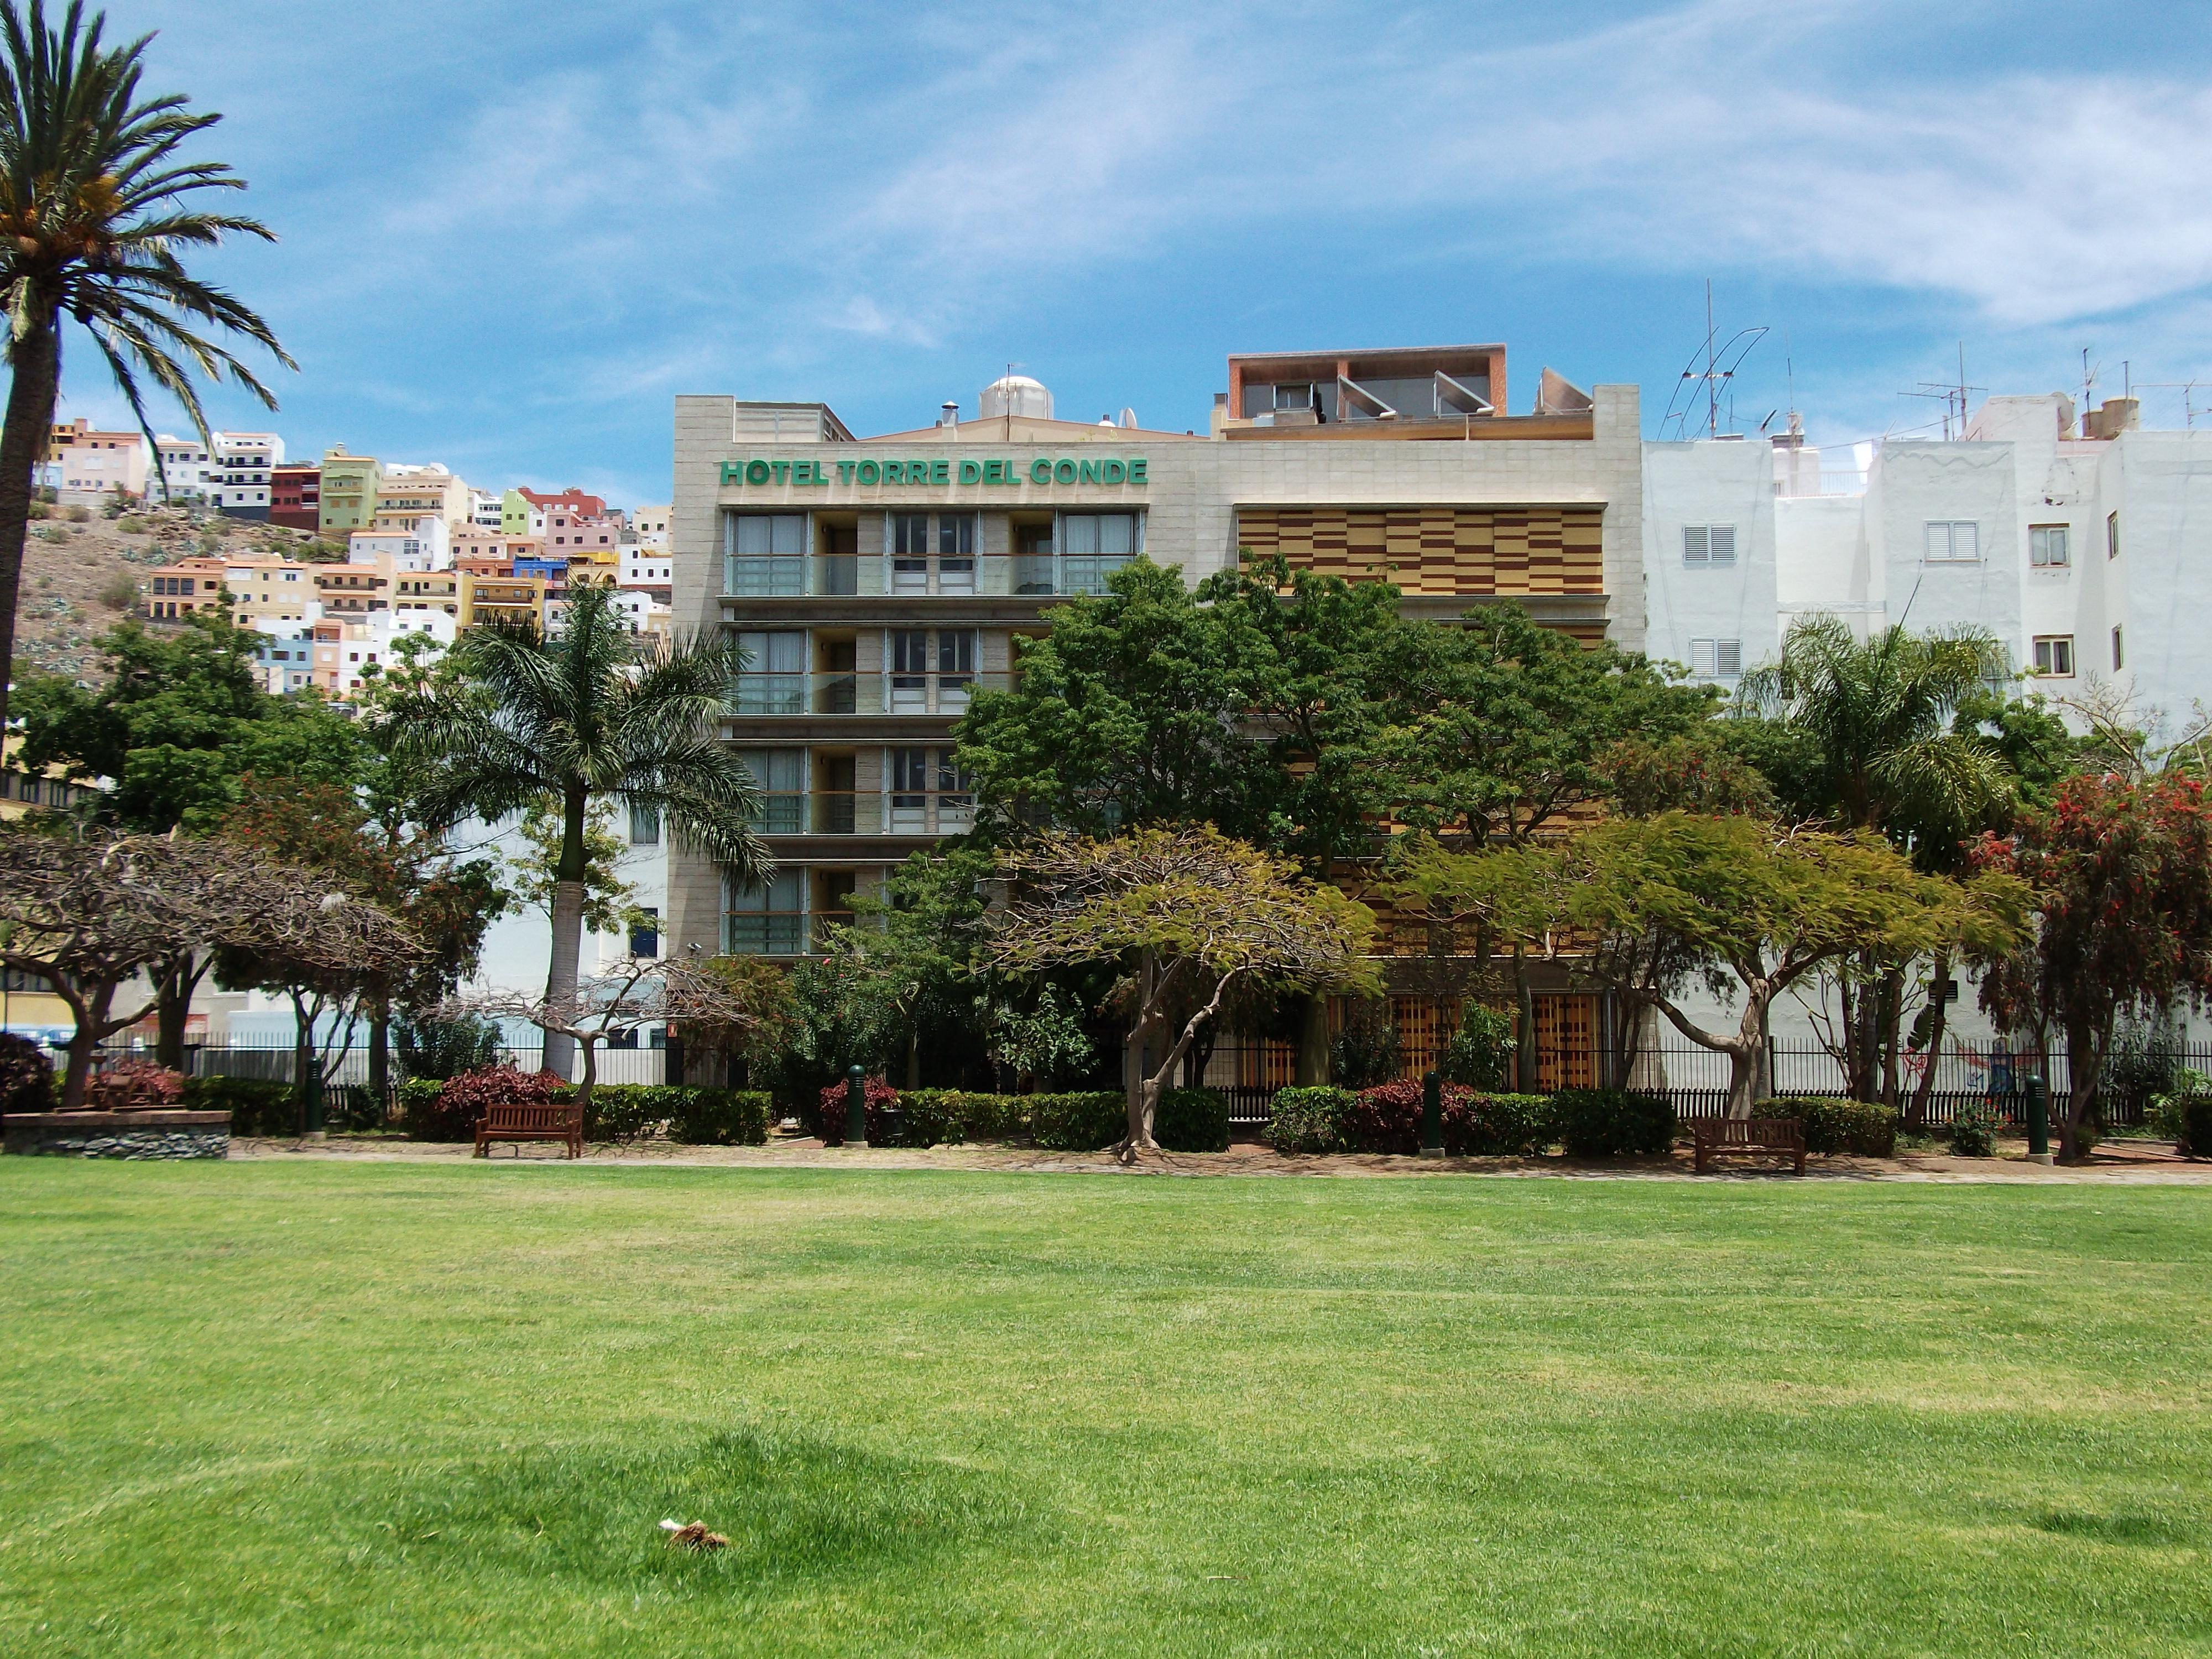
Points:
[(1722, 359), (1954, 395)]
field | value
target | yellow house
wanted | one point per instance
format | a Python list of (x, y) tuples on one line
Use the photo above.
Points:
[(501, 598), (265, 589), (349, 485), (28, 1007), (407, 494)]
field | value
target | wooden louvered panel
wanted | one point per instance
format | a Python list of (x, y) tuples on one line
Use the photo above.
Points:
[(1438, 550)]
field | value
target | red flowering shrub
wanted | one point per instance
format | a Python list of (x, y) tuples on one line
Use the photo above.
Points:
[(458, 1106), (134, 1086), (27, 1076), (829, 1114), (1388, 1117)]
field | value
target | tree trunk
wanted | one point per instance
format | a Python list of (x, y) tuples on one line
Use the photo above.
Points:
[(379, 1057), (305, 1073), (591, 1048), (37, 362), (568, 928), (172, 1008), (2083, 1078), (1313, 1043), (1524, 1003), (91, 1025), (1144, 1096), (1915, 1114), (1893, 1025)]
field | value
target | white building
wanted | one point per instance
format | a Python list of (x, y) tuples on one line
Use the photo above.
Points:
[(2074, 549), (483, 509), (238, 474), (424, 543), (650, 526), (184, 471)]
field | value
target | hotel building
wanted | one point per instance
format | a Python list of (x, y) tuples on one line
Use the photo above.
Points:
[(876, 582)]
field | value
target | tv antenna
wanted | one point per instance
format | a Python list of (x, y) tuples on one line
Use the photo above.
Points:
[(1954, 394), (1720, 359)]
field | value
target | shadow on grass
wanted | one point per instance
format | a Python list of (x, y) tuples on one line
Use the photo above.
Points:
[(795, 1509)]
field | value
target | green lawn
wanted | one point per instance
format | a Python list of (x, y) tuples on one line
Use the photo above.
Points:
[(326, 1409)]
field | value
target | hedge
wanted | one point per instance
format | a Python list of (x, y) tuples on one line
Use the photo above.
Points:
[(1485, 1125), (1078, 1122), (1190, 1121), (1309, 1119), (458, 1106), (1858, 1127), (1613, 1122), (945, 1117), (2194, 1124), (719, 1117), (257, 1106)]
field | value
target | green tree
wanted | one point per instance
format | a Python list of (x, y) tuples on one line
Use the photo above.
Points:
[(1894, 756), (1193, 916), (609, 901), (96, 205), (589, 712), (171, 737)]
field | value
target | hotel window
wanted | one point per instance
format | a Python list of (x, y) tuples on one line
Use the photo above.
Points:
[(909, 661), (1953, 541), (767, 919), (910, 552), (644, 824), (956, 553), (645, 934), (1033, 559), (764, 553), (779, 775), (2046, 546), (2111, 535), (1705, 545), (2054, 655), (2119, 658), (775, 678), (1094, 545), (1716, 658)]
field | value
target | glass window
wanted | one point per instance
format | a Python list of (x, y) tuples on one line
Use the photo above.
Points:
[(2054, 655), (644, 824), (909, 650), (2119, 659), (1033, 559), (774, 679), (2046, 546), (956, 652), (910, 535), (1096, 545), (645, 936), (780, 777), (2111, 535), (768, 919), (764, 553), (955, 536)]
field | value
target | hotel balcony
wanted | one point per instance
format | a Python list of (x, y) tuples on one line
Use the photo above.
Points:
[(869, 812), (944, 697)]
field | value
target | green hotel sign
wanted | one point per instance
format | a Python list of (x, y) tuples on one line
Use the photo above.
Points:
[(1044, 469)]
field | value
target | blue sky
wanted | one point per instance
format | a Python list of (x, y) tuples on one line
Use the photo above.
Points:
[(512, 233)]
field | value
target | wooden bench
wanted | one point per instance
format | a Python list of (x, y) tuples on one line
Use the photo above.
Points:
[(557, 1120), (1785, 1136)]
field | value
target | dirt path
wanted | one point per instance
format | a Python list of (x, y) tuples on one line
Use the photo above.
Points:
[(2127, 1163)]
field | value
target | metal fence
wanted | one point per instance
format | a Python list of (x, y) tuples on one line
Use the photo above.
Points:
[(348, 1067)]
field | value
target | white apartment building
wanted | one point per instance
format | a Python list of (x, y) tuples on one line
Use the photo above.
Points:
[(238, 474), (2073, 545), (422, 544), (483, 509), (646, 567), (650, 526)]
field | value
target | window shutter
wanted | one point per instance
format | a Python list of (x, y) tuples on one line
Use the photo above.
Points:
[(1728, 656), (1702, 658), (1966, 540), (1696, 545), (1939, 542), (1722, 538)]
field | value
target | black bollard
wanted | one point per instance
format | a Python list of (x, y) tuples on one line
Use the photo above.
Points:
[(2039, 1121), (1432, 1116), (856, 1108)]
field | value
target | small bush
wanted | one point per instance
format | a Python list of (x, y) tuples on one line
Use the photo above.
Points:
[(1307, 1121), (80, 515), (1078, 1122), (628, 1111), (50, 532), (119, 593), (27, 1076), (39, 509), (1485, 1125), (944, 1117), (1613, 1122), (130, 525), (258, 1106), (721, 1117), (830, 1110), (134, 1086), (454, 1111), (1856, 1127), (1191, 1120), (2193, 1126), (1482, 1051), (1386, 1118), (1974, 1129)]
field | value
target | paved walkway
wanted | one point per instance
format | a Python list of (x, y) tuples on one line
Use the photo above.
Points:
[(2126, 1163)]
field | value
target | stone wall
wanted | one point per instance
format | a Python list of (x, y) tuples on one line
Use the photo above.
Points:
[(119, 1134)]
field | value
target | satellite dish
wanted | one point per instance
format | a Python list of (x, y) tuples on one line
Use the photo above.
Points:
[(1128, 418)]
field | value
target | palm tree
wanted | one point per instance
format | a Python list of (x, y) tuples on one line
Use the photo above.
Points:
[(93, 209), (1893, 756), (583, 714)]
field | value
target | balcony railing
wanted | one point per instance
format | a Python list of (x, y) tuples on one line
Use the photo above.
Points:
[(869, 812), (843, 575), (873, 693)]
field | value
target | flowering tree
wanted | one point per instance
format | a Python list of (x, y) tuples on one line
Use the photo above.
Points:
[(637, 993), (89, 916), (1192, 914), (2119, 866)]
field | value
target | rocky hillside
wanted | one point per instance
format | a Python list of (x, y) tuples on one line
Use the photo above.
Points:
[(83, 573)]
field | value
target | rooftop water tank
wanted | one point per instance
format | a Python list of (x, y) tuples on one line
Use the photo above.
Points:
[(1017, 394)]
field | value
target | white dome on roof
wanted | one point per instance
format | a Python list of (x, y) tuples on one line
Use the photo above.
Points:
[(1017, 394)]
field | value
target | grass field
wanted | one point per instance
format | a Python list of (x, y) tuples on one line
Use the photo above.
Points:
[(319, 1408)]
